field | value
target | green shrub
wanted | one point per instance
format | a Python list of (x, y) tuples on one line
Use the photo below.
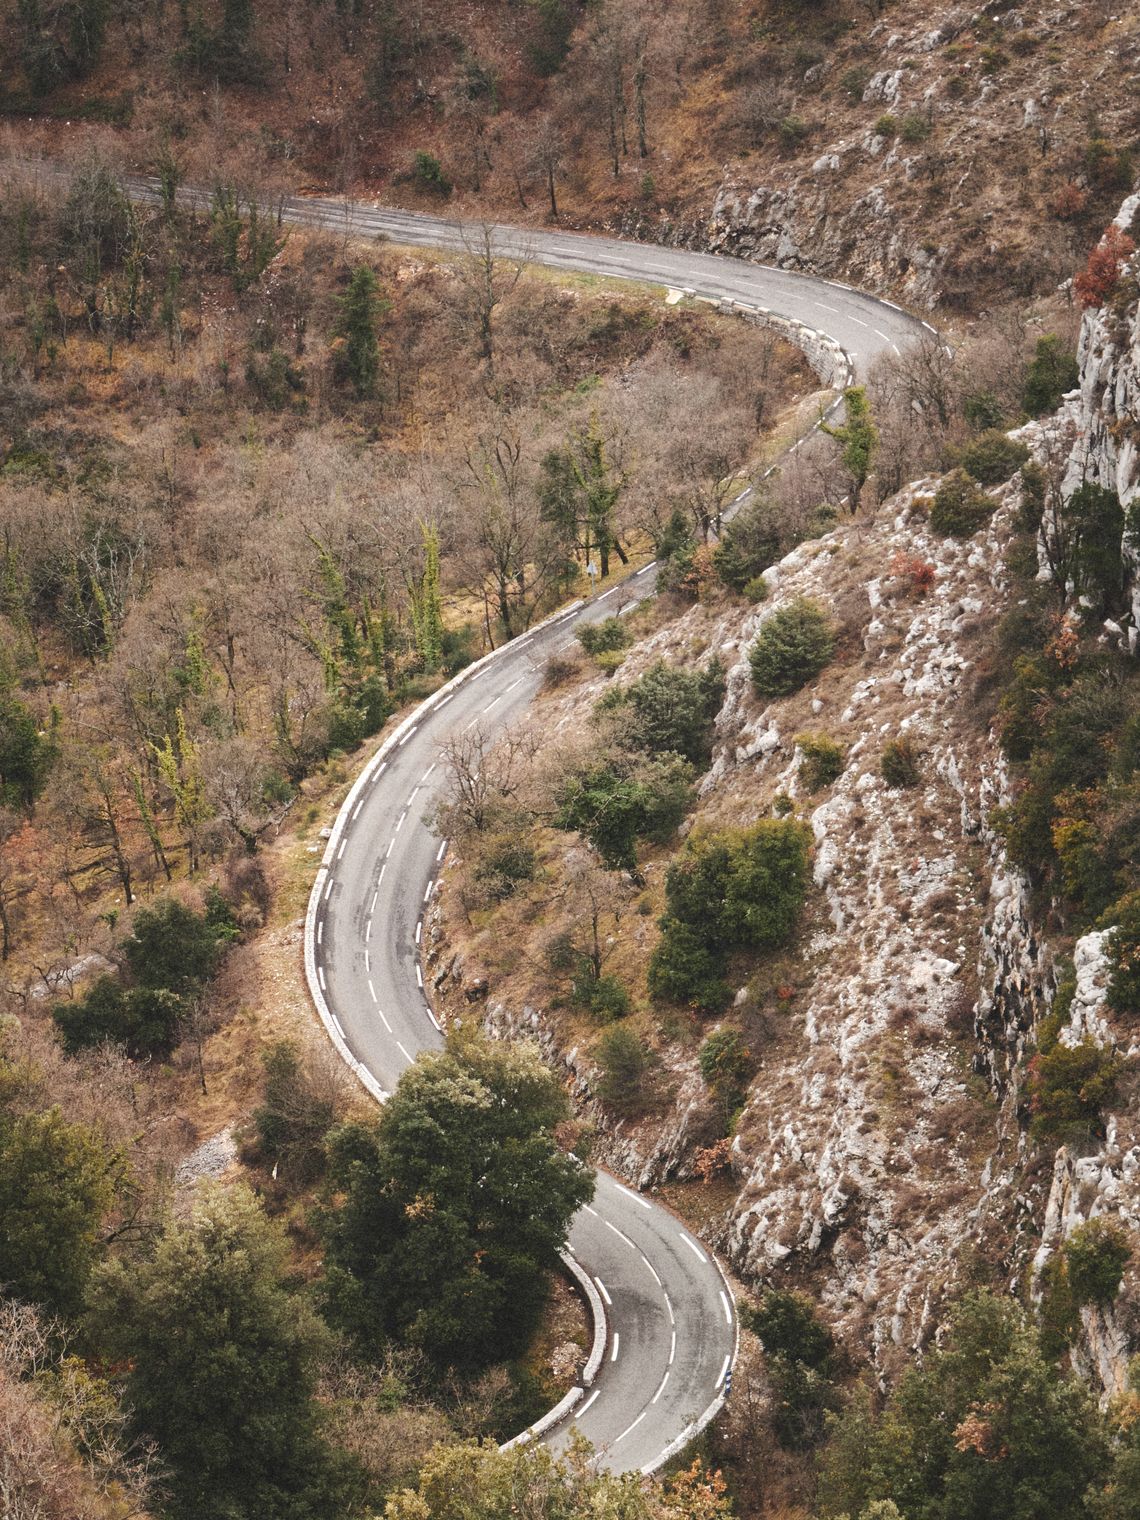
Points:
[(683, 969), (670, 711), (982, 410), (1053, 370), (1096, 1254), (502, 863), (886, 126), (821, 760), (1123, 947), (610, 661), (792, 130), (298, 1108), (756, 589), (625, 1064), (914, 127), (960, 507), (993, 456), (604, 996), (144, 1021), (735, 888), (26, 754), (604, 637), (615, 803), (1070, 1086), (801, 1358), (726, 1067), (899, 763), (855, 81), (1058, 1315), (792, 647), (427, 173)]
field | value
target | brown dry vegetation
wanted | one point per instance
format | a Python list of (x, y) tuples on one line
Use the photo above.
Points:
[(652, 112)]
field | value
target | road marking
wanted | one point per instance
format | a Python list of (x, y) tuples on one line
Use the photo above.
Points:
[(610, 592), (427, 773), (693, 1246), (356, 810), (513, 684), (587, 1404), (403, 1051), (367, 931), (637, 1198), (602, 1290), (727, 1310), (882, 335), (380, 769), (857, 322), (651, 1267), (372, 991), (669, 1306), (419, 978), (320, 931), (617, 1343), (428, 890), (823, 306), (388, 851), (645, 569), (400, 824), (620, 1236), (387, 1026), (589, 1210), (661, 1388), (634, 1426), (419, 930), (337, 1025), (444, 702), (407, 736), (343, 842), (321, 974), (672, 1347), (440, 852), (412, 793), (723, 1370), (367, 962), (379, 879), (434, 1020), (328, 888), (472, 724), (491, 704)]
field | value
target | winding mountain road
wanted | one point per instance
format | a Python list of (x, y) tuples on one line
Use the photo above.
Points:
[(671, 1332)]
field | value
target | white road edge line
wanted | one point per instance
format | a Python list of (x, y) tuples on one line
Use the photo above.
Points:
[(587, 1404), (661, 1387), (637, 1198), (634, 1426), (693, 1246), (724, 1305), (617, 1343), (604, 1291)]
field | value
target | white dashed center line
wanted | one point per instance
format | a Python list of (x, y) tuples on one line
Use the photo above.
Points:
[(617, 1343), (693, 1246)]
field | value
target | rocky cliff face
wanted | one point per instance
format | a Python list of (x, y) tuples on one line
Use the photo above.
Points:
[(882, 1158)]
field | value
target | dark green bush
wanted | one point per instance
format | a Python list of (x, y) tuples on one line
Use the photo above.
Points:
[(670, 711), (1070, 1086), (427, 173), (26, 754), (616, 803), (801, 1359), (792, 647), (298, 1108), (603, 995), (625, 1064), (1096, 1254), (899, 763), (1123, 948), (821, 760), (503, 862), (886, 126), (143, 1020), (914, 127), (741, 888), (1053, 370), (960, 507), (993, 456), (600, 638)]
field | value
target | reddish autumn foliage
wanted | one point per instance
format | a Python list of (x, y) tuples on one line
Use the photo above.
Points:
[(1097, 280), (920, 572)]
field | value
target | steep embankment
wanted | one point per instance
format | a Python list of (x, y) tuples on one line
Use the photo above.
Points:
[(882, 1156)]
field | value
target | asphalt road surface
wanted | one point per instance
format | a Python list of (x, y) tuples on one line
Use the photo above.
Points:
[(672, 1325)]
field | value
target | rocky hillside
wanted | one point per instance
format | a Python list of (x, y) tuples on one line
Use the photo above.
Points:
[(883, 1156), (953, 155)]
